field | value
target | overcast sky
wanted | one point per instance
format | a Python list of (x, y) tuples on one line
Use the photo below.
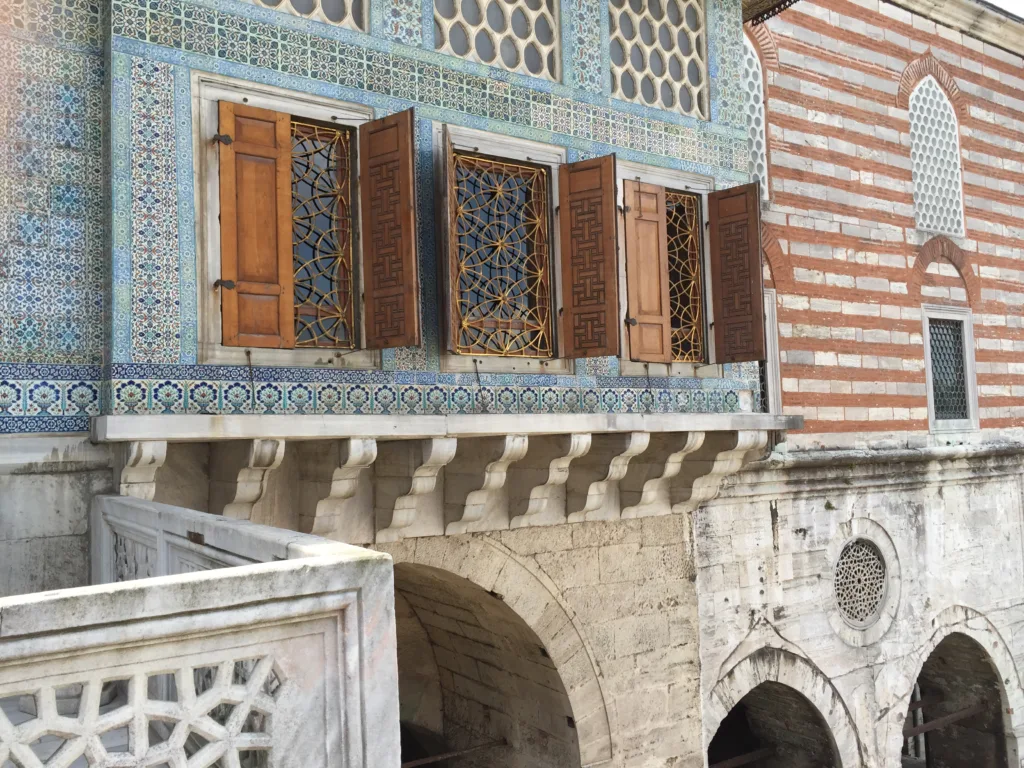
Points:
[(1016, 7)]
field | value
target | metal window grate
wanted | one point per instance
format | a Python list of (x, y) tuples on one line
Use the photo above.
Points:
[(949, 380), (322, 236), (501, 277), (860, 583), (686, 289)]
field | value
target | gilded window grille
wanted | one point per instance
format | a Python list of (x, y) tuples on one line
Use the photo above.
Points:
[(685, 271), (322, 235), (501, 268)]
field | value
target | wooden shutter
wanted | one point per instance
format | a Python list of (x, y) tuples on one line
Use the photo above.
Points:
[(649, 318), (590, 293), (736, 281), (257, 302), (387, 188)]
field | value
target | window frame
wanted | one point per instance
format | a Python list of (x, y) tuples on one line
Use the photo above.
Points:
[(962, 219), (207, 91), (511, 148), (683, 181), (965, 316), (773, 361)]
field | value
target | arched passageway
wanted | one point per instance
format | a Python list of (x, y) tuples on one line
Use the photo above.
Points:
[(955, 718), (474, 679), (773, 726)]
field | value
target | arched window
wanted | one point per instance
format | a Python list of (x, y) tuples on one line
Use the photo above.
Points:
[(757, 140), (935, 160)]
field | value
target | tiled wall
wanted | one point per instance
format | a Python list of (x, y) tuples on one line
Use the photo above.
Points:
[(152, 341)]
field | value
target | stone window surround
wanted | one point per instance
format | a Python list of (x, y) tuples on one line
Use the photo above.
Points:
[(965, 316), (207, 90), (761, 110), (512, 148)]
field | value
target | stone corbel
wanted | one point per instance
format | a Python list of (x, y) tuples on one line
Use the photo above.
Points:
[(602, 500), (140, 461), (348, 509), (486, 509), (264, 457), (546, 503), (723, 454), (656, 498), (420, 511)]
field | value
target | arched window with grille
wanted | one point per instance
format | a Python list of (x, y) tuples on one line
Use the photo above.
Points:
[(935, 160), (757, 138)]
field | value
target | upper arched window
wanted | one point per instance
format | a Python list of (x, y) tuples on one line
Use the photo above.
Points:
[(757, 140), (935, 160)]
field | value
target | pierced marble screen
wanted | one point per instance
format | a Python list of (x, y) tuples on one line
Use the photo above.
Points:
[(343, 13), (860, 583), (657, 54), (517, 35), (753, 85), (935, 160)]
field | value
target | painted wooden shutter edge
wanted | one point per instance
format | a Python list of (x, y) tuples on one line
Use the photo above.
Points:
[(608, 242), (630, 188), (754, 277), (409, 291)]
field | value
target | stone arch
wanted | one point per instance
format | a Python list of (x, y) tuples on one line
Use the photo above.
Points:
[(777, 259), (917, 70), (764, 43), (895, 686), (533, 598), (775, 665), (938, 248)]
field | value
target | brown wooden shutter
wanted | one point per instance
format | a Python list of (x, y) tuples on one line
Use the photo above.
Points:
[(736, 282), (387, 179), (590, 293), (649, 318), (256, 227)]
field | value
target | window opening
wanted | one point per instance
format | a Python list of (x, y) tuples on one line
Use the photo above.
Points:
[(322, 235), (686, 285), (949, 379), (935, 160), (501, 282)]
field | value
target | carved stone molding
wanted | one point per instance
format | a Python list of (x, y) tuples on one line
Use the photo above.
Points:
[(419, 511), (602, 500), (486, 509), (722, 454), (264, 457), (346, 514), (140, 461), (546, 502), (656, 498)]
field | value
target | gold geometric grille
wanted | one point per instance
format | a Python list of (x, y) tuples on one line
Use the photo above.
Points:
[(501, 277), (322, 235), (686, 285)]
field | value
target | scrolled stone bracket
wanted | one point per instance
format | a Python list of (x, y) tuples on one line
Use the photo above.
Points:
[(486, 509), (547, 502), (437, 453), (140, 461), (265, 455), (602, 501), (356, 457)]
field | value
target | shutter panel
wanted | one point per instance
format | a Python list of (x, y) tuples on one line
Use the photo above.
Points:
[(387, 187), (256, 228), (590, 293), (448, 248), (649, 319), (736, 281)]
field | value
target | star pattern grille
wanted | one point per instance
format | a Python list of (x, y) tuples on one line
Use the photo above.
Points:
[(860, 583), (686, 289)]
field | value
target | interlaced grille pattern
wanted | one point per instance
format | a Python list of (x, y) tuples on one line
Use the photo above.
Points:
[(518, 35), (753, 84), (501, 277), (949, 382), (935, 160), (322, 235), (195, 716), (860, 583), (686, 289), (657, 54), (344, 13)]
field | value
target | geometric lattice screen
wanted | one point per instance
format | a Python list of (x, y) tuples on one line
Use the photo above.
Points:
[(342, 13), (935, 160), (657, 54), (517, 35), (753, 86), (859, 582), (949, 379)]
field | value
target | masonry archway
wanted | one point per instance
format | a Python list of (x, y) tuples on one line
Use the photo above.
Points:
[(487, 652)]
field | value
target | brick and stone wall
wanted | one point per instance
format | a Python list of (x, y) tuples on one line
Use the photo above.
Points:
[(849, 263)]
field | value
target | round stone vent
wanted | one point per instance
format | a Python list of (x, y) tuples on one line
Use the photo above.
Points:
[(860, 583)]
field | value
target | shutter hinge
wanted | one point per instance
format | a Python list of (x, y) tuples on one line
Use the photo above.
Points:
[(223, 138), (626, 209), (631, 321), (226, 284)]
